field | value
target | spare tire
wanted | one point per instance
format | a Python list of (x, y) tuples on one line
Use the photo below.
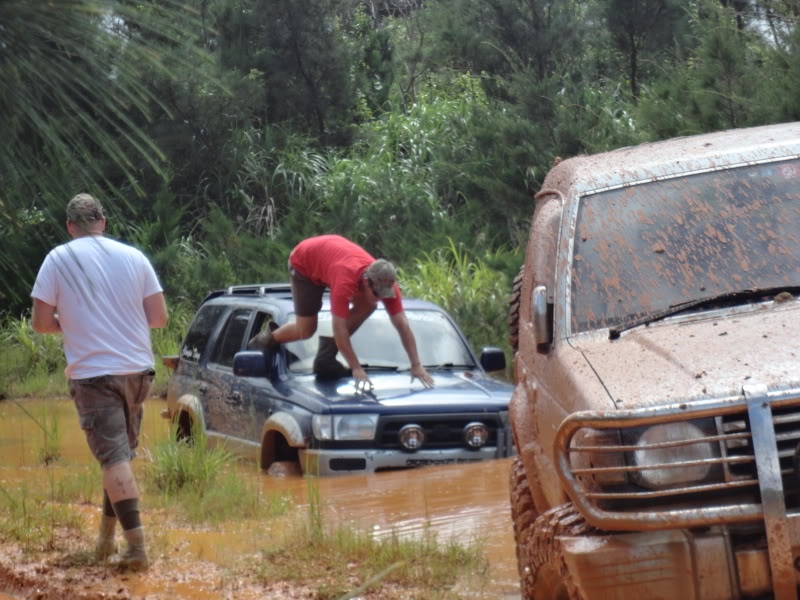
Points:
[(513, 310)]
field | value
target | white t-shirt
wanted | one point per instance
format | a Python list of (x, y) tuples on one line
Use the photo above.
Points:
[(97, 286)]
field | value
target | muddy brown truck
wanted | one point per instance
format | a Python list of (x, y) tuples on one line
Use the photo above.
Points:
[(657, 405)]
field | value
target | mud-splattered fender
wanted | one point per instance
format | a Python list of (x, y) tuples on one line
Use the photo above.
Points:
[(523, 425)]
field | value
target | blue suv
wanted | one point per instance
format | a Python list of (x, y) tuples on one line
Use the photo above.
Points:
[(272, 407)]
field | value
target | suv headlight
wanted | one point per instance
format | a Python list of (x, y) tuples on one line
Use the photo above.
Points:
[(344, 427), (679, 445)]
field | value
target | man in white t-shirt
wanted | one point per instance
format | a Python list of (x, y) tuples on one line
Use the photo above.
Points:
[(104, 297)]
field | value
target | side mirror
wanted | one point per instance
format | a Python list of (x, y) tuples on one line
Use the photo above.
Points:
[(493, 359), (542, 317), (251, 363)]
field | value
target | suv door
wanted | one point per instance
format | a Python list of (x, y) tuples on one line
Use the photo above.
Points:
[(229, 409), (262, 396), (188, 378)]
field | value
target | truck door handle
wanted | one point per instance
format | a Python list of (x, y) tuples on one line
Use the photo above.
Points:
[(202, 388), (235, 396)]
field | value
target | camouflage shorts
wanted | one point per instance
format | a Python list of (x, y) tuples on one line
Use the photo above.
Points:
[(110, 413)]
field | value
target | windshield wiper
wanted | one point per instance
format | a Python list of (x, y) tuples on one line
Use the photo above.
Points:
[(674, 309), (449, 366)]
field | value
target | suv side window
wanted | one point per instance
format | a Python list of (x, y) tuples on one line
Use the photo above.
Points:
[(232, 338), (200, 332), (265, 321)]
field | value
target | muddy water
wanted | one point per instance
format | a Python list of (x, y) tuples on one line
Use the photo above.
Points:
[(462, 502)]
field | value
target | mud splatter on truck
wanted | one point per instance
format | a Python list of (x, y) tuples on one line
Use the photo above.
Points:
[(657, 405)]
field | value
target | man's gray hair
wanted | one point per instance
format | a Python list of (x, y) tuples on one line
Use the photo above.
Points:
[(84, 209)]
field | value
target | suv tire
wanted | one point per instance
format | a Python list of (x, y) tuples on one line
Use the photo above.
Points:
[(543, 571), (184, 428), (523, 511), (513, 310)]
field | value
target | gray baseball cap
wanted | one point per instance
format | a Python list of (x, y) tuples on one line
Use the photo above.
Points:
[(382, 277), (83, 209)]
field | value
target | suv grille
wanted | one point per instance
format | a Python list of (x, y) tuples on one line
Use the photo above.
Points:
[(441, 431)]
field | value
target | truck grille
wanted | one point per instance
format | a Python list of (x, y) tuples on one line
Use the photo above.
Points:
[(441, 431), (609, 467), (786, 422)]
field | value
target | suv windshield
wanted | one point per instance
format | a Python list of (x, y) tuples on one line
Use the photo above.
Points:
[(642, 249), (377, 344)]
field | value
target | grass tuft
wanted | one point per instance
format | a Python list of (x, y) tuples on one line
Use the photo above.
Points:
[(346, 560), (202, 480), (48, 422), (30, 518), (190, 463)]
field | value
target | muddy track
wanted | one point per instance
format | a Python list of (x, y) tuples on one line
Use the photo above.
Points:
[(44, 583), (67, 576), (64, 575)]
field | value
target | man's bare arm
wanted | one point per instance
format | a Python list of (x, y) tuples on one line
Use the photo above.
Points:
[(43, 317), (155, 309), (342, 337), (400, 322)]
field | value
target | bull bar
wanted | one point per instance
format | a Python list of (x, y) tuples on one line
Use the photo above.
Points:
[(749, 419)]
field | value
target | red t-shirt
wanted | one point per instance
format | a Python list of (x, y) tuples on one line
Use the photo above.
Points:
[(338, 263)]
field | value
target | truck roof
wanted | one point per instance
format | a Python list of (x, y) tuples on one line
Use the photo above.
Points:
[(677, 156)]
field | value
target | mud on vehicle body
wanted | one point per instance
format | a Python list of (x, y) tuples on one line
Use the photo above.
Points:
[(657, 404), (272, 407)]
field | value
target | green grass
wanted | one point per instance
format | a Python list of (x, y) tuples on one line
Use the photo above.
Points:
[(82, 487), (474, 292), (332, 558), (29, 517), (178, 465), (167, 341), (47, 420), (202, 481)]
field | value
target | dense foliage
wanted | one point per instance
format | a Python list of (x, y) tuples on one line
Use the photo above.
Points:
[(221, 133)]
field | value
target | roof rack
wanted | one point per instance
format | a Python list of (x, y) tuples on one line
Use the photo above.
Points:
[(260, 289)]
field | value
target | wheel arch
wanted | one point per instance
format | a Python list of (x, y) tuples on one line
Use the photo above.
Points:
[(281, 438), (189, 405)]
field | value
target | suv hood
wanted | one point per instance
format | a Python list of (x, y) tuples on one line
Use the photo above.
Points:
[(699, 357), (453, 391)]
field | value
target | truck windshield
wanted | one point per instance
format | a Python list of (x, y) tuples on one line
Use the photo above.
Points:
[(642, 249), (377, 344)]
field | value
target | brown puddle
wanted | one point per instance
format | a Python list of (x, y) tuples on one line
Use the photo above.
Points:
[(462, 502)]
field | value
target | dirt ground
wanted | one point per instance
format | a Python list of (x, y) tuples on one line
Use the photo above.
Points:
[(217, 562), (70, 575), (61, 576)]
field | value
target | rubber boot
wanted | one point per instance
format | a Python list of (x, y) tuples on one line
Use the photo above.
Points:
[(135, 556), (263, 341), (325, 363), (105, 541)]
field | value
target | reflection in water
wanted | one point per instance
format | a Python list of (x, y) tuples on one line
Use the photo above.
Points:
[(462, 502)]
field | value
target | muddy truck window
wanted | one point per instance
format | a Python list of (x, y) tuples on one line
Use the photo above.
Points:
[(656, 413)]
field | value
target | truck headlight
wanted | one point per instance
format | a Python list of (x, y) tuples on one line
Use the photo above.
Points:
[(661, 445), (593, 449), (344, 427)]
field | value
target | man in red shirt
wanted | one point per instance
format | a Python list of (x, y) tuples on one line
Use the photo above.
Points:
[(356, 281)]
